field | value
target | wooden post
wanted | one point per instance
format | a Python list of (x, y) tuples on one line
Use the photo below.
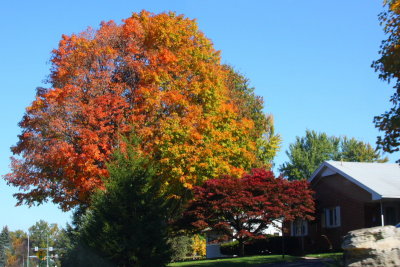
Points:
[(382, 216)]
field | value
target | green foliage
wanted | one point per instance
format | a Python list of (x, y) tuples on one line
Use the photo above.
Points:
[(358, 151), (308, 152), (231, 248), (43, 234), (5, 243), (126, 225), (17, 251), (184, 247), (13, 253), (181, 247), (251, 107), (388, 66), (268, 144), (82, 255)]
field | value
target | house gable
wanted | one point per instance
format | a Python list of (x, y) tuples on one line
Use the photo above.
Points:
[(381, 180), (337, 187)]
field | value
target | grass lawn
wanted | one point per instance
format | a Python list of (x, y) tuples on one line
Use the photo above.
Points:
[(243, 261), (253, 260)]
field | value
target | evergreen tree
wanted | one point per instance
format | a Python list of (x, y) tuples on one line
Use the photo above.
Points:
[(5, 243), (126, 225), (308, 152)]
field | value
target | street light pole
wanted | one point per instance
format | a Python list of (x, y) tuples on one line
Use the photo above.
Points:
[(27, 257), (47, 251)]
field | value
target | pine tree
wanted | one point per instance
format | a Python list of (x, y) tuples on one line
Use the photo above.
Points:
[(126, 225), (5, 243)]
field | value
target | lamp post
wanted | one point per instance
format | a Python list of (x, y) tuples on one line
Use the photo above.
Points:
[(27, 257), (47, 251)]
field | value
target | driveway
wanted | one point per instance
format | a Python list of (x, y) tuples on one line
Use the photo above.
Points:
[(302, 263)]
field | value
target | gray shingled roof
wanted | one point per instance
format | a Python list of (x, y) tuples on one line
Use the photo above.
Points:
[(382, 180)]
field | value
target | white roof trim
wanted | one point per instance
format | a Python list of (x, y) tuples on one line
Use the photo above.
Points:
[(316, 172), (390, 196), (375, 195)]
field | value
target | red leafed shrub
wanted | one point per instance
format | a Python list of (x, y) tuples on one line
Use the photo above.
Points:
[(241, 209)]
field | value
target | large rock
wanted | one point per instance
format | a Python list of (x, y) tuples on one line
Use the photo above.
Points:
[(377, 246)]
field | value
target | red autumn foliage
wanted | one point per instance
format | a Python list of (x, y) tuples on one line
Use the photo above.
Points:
[(155, 76), (241, 209)]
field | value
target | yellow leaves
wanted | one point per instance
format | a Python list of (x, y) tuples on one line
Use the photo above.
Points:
[(156, 74), (38, 104), (186, 184), (395, 6), (237, 172), (199, 245), (164, 161), (146, 132), (195, 135), (165, 56)]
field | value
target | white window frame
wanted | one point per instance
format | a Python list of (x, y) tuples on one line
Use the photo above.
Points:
[(299, 227), (332, 217)]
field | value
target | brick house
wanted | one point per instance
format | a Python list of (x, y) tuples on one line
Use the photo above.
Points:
[(349, 196)]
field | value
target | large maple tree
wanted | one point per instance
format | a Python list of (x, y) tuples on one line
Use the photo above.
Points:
[(155, 76), (242, 209)]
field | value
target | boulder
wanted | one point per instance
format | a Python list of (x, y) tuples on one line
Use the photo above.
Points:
[(377, 246)]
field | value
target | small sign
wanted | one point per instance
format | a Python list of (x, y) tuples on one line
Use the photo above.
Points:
[(41, 254)]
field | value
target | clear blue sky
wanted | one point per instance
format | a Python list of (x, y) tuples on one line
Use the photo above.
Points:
[(310, 60)]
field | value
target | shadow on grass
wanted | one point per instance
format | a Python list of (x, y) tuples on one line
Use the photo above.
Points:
[(243, 261)]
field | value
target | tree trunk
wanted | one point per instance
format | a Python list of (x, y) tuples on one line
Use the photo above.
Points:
[(241, 248)]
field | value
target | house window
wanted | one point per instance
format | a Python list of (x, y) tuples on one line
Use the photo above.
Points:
[(332, 217), (299, 227)]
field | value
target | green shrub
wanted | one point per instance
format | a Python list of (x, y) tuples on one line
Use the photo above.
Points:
[(230, 248), (181, 247)]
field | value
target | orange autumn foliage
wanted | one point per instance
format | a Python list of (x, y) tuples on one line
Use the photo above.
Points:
[(156, 76)]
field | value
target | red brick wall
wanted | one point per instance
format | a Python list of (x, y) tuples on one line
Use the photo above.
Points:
[(332, 191)]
